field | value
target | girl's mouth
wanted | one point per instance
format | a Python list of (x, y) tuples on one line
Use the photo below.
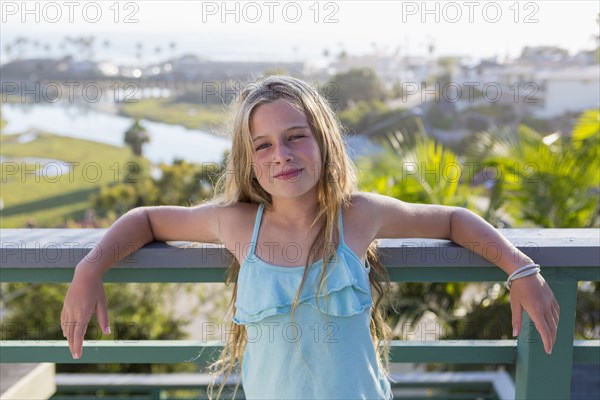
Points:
[(289, 174)]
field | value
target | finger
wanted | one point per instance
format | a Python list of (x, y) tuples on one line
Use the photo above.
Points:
[(517, 317), (70, 328), (552, 325), (78, 334), (544, 330), (102, 315)]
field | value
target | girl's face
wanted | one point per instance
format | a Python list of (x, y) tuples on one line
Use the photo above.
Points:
[(287, 160)]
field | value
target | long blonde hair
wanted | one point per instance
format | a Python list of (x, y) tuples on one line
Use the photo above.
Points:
[(334, 190)]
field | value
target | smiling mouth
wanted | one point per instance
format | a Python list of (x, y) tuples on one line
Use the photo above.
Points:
[(289, 175)]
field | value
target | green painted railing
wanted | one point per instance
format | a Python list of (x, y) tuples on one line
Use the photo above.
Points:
[(567, 256)]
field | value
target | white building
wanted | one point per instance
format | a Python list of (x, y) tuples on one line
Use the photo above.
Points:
[(545, 81), (568, 90)]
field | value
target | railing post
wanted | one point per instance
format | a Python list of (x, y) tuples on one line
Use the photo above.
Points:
[(543, 376)]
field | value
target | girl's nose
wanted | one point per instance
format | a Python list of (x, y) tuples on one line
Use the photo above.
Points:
[(283, 153)]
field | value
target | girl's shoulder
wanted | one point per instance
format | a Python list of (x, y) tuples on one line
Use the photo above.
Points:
[(362, 203), (372, 211), (236, 222), (237, 213), (360, 212)]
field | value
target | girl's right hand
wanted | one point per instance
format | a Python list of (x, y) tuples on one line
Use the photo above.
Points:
[(84, 297)]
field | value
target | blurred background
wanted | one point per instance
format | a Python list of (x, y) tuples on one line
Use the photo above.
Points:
[(143, 88), (107, 106)]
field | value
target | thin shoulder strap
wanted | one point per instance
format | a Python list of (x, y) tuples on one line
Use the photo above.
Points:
[(259, 214), (341, 225)]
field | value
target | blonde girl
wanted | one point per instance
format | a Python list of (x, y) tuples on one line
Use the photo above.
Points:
[(306, 282)]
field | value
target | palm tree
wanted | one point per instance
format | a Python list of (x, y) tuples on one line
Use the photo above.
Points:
[(8, 48), (416, 168), (87, 45), (20, 42), (548, 180), (172, 48), (136, 136), (139, 46)]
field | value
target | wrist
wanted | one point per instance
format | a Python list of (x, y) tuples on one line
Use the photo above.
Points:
[(86, 269), (523, 272), (522, 262)]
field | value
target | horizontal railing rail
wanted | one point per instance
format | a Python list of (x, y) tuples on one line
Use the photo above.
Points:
[(203, 352), (567, 256), (154, 385)]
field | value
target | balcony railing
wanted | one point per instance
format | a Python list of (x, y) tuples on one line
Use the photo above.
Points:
[(567, 256)]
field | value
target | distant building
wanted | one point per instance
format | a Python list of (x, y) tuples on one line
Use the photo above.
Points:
[(544, 54), (568, 90), (544, 82)]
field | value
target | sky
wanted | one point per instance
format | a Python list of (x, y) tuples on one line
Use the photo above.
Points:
[(289, 30)]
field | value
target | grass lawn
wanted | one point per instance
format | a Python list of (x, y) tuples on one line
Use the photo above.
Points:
[(205, 117), (53, 199)]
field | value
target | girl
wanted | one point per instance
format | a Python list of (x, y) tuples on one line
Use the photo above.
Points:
[(305, 323)]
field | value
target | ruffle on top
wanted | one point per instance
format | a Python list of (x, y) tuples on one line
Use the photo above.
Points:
[(265, 290)]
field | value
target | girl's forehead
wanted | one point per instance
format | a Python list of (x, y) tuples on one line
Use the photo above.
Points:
[(278, 107), (277, 115)]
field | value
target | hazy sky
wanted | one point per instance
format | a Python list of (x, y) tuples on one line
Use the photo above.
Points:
[(284, 28)]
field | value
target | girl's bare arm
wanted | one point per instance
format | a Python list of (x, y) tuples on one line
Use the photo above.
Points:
[(393, 218), (132, 231)]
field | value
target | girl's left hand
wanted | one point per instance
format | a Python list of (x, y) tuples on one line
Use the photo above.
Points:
[(533, 295)]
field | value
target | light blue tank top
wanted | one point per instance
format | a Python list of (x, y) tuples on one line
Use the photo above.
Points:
[(316, 356)]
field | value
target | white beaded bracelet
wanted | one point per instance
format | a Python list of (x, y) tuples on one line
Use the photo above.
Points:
[(522, 272)]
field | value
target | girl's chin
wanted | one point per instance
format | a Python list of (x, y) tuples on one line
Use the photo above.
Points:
[(291, 193)]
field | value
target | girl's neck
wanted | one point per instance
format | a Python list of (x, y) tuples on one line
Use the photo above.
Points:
[(297, 212)]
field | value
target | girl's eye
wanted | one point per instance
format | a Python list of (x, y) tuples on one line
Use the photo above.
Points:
[(291, 138), (262, 146)]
